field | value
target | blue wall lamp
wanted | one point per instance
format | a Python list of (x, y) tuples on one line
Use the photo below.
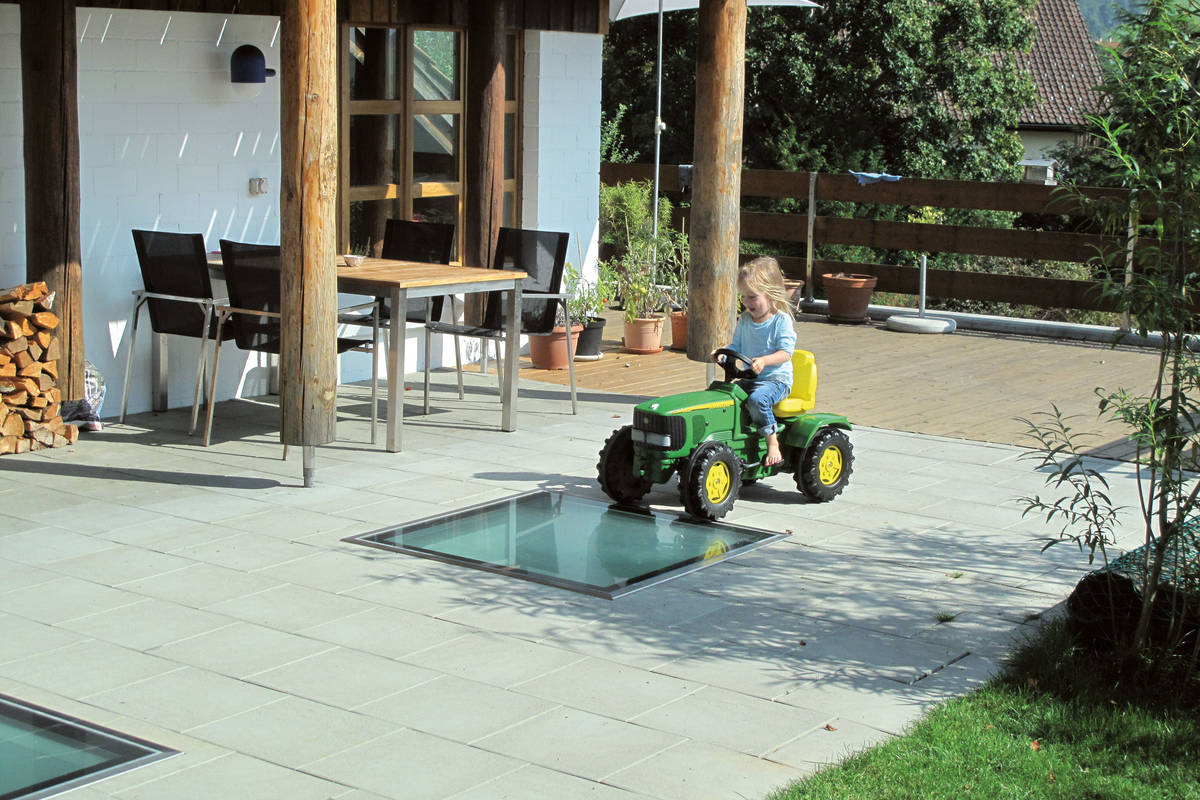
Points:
[(248, 65)]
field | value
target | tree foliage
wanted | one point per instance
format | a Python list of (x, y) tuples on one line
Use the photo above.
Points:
[(1151, 134), (914, 87)]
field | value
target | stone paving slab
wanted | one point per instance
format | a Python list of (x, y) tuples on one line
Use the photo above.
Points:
[(204, 599)]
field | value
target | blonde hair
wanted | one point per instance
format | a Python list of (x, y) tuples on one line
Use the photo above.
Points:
[(763, 276)]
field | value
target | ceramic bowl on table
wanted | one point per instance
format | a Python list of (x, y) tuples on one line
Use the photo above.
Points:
[(353, 260)]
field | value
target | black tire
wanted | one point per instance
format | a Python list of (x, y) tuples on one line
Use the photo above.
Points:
[(825, 467), (709, 483), (615, 468)]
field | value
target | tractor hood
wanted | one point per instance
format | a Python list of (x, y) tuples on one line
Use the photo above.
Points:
[(717, 397)]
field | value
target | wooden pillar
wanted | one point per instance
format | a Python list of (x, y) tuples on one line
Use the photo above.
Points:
[(717, 176), (308, 213), (51, 137), (485, 131)]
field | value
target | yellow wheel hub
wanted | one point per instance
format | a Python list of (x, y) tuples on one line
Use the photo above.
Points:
[(716, 483), (716, 550), (829, 468)]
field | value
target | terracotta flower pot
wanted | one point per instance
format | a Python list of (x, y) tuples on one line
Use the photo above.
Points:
[(795, 295), (679, 330), (849, 295), (643, 336), (550, 352)]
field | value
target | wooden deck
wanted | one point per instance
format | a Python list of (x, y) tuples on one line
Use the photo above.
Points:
[(964, 385)]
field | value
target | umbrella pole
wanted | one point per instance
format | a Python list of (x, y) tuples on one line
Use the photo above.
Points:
[(658, 129)]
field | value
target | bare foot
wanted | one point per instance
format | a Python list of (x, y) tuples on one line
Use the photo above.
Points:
[(773, 455)]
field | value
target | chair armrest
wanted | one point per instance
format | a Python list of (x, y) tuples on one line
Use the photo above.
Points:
[(227, 310), (142, 294), (359, 306)]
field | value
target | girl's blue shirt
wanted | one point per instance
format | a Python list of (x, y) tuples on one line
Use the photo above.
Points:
[(760, 339)]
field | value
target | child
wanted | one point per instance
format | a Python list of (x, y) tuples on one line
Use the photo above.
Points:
[(765, 333)]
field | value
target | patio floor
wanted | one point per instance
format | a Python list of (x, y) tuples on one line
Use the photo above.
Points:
[(203, 599), (967, 385)]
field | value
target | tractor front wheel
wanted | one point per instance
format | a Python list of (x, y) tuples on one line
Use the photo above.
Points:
[(825, 467), (709, 483), (615, 468)]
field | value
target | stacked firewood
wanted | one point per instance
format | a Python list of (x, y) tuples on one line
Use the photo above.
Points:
[(29, 351)]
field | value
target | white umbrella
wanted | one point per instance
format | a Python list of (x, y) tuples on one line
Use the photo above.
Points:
[(623, 9)]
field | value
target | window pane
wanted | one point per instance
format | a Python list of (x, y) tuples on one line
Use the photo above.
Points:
[(508, 217), (435, 65), (374, 150), (368, 218), (435, 147), (510, 67), (375, 72), (510, 146), (436, 209)]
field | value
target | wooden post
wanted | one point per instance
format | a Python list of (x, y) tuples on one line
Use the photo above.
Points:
[(717, 176), (308, 279), (485, 131), (51, 133)]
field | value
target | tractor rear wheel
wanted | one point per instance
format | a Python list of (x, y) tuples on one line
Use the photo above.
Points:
[(615, 468), (709, 482), (825, 467)]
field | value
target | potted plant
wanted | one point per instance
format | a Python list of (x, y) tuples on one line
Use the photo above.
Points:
[(673, 266), (587, 299), (644, 264), (849, 295), (642, 296)]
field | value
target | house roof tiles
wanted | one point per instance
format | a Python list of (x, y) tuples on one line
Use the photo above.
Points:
[(1064, 67)]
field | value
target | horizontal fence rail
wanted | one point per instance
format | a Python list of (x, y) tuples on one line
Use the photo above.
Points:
[(1023, 243)]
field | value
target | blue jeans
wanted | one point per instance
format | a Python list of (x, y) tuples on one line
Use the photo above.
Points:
[(763, 395)]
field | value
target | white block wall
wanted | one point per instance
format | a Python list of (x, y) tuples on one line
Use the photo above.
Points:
[(560, 158), (167, 143)]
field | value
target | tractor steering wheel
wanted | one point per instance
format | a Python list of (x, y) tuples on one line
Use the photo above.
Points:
[(730, 362)]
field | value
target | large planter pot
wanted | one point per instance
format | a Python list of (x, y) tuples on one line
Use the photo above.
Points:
[(679, 330), (849, 295), (643, 336), (588, 346), (550, 351), (795, 295)]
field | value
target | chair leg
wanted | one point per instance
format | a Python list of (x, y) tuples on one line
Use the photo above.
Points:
[(571, 366), (374, 379), (427, 354), (200, 369), (457, 350), (137, 305), (458, 367), (499, 365), (208, 418)]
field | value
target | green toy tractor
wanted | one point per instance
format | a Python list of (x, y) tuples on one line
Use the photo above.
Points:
[(710, 440)]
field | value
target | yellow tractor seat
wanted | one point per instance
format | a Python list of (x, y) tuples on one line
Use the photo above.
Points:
[(804, 386)]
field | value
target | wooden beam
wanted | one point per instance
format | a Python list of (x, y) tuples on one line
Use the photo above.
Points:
[(717, 178), (49, 80), (308, 278), (484, 170)]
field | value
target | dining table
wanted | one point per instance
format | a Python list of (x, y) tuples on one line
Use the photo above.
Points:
[(400, 281)]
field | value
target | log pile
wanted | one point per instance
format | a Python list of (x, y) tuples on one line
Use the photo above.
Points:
[(30, 401)]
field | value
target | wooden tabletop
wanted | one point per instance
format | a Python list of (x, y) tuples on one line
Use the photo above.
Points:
[(406, 274), (413, 274)]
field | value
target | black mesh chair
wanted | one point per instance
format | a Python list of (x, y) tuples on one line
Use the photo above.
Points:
[(179, 296), (409, 240), (541, 254), (254, 310)]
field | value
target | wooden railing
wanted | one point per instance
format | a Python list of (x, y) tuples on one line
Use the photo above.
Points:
[(816, 230)]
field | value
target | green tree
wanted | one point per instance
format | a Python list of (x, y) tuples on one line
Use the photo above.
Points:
[(1151, 132), (912, 87)]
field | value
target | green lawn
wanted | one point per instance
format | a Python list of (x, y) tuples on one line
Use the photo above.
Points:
[(1049, 728)]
